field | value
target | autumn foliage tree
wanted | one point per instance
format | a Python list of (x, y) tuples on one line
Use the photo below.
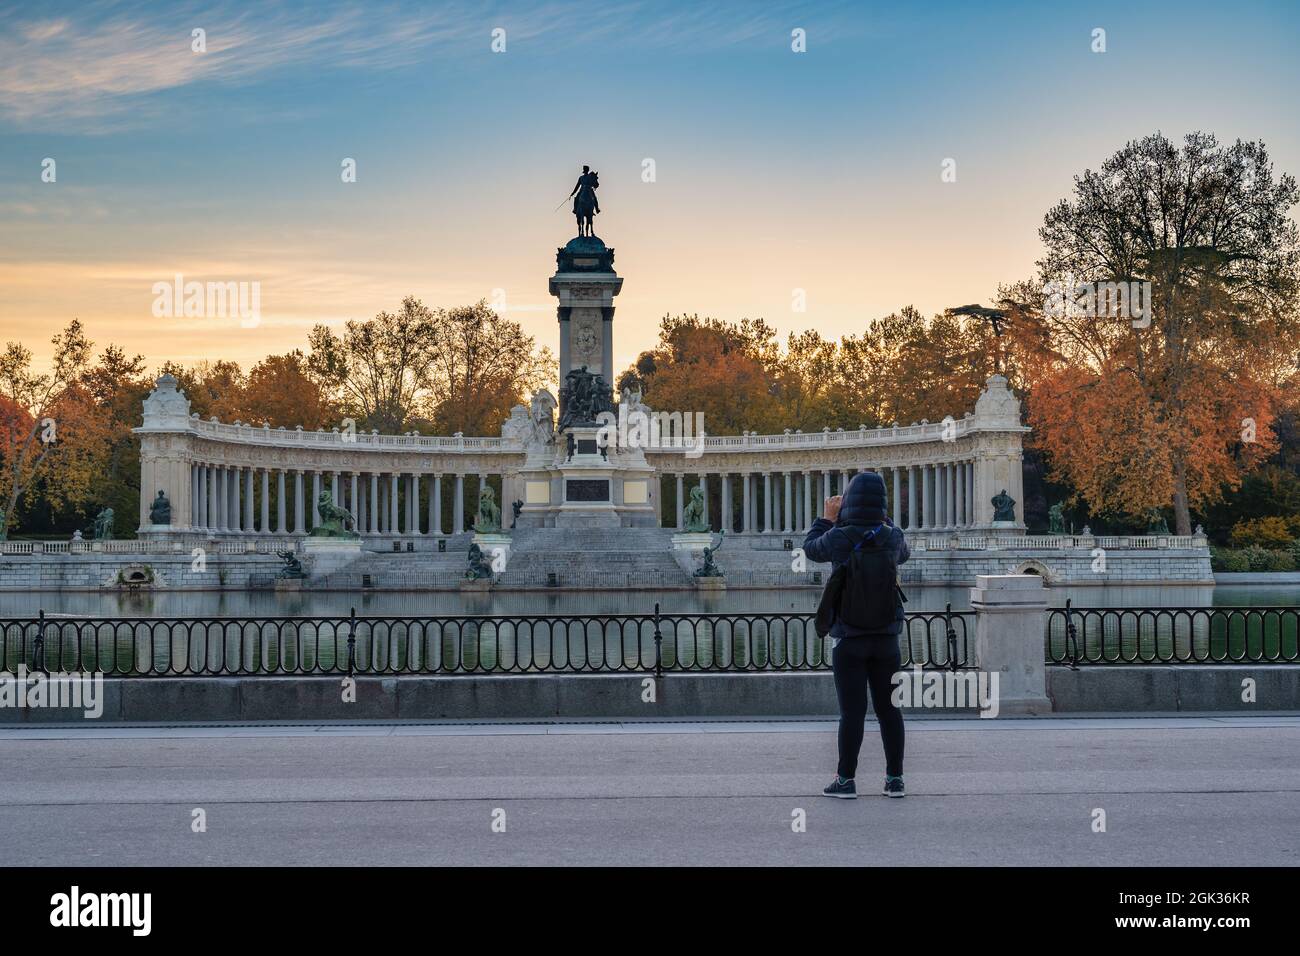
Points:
[(1137, 413)]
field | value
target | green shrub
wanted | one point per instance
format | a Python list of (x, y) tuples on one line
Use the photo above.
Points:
[(1281, 561), (1232, 561), (1256, 557)]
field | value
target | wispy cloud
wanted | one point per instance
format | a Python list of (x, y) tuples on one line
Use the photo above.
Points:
[(103, 64), (97, 65)]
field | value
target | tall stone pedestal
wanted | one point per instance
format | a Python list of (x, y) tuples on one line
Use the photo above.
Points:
[(1009, 639)]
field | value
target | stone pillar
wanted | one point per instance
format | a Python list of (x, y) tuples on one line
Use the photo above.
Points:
[(435, 506), (941, 495), (960, 492), (786, 525), (354, 504), (826, 484), (704, 487), (1010, 624), (266, 502), (747, 523), (298, 525), (724, 501), (458, 504), (280, 504), (392, 503), (415, 504), (925, 516), (678, 498), (205, 502), (767, 501), (372, 503), (807, 502), (897, 513)]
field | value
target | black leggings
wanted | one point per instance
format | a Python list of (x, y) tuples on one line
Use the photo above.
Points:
[(859, 662)]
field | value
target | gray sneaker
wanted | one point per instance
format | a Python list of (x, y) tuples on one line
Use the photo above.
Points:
[(843, 789), (894, 787)]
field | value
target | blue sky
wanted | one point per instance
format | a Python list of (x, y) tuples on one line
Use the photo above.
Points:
[(775, 170)]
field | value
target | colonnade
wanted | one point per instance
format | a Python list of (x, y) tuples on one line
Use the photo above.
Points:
[(927, 497), (236, 499)]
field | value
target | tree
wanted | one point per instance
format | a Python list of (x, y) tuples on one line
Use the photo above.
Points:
[(281, 391), (29, 442), (725, 370), (1172, 407), (378, 367), (482, 365)]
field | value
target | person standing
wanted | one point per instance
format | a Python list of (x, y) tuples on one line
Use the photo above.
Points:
[(866, 608)]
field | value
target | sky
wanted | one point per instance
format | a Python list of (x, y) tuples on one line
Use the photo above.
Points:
[(779, 176)]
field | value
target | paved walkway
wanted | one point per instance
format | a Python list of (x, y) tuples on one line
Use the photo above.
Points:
[(1175, 791)]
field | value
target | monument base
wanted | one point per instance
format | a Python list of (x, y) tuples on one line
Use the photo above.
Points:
[(475, 584), (494, 545), (328, 555), (710, 584), (692, 540)]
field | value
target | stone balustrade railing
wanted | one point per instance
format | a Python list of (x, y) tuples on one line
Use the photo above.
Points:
[(751, 441), (269, 544)]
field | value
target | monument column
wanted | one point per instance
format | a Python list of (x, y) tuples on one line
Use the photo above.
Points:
[(458, 505), (372, 503), (746, 524), (279, 502), (298, 527), (681, 505), (435, 506), (786, 523), (392, 503)]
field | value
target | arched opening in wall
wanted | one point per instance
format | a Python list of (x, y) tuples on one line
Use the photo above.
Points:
[(1036, 567)]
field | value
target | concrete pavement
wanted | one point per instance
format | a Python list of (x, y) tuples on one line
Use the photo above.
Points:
[(1175, 791)]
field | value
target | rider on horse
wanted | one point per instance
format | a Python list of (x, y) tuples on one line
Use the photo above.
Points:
[(585, 204)]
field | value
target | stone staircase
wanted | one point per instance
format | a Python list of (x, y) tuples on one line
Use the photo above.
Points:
[(639, 558)]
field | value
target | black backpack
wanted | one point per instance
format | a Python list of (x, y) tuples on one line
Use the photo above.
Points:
[(863, 592)]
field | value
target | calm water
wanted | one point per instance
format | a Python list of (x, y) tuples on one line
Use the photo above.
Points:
[(112, 604)]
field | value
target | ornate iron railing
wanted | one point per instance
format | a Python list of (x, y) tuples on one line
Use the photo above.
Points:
[(1167, 635), (656, 643)]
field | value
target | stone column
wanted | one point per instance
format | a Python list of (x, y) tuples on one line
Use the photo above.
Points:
[(927, 516), (897, 513), (415, 504), (1011, 619), (747, 524), (458, 503), (298, 525), (767, 501), (786, 525), (680, 503), (392, 503), (826, 484), (704, 487), (220, 498), (807, 502), (354, 504), (960, 492), (724, 501), (266, 502), (205, 476), (280, 504), (372, 503), (941, 495), (435, 506)]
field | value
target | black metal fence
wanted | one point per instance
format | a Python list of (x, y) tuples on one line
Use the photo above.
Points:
[(1200, 635), (455, 645)]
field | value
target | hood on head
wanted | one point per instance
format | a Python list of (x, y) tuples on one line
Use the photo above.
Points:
[(864, 502)]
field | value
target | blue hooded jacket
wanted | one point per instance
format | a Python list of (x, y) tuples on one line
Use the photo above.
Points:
[(863, 508)]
